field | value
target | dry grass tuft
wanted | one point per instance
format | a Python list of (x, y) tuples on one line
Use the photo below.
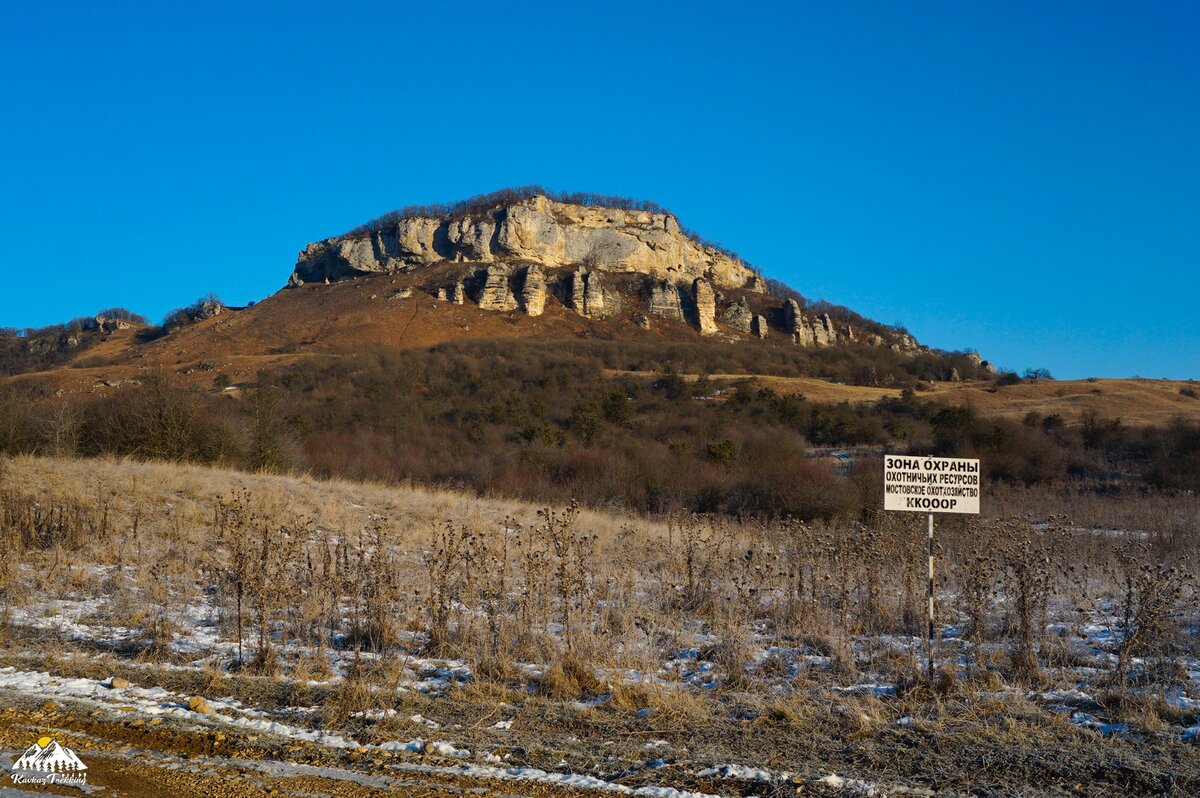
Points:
[(570, 677)]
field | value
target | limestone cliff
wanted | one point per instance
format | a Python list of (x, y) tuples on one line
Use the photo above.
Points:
[(537, 255), (535, 230)]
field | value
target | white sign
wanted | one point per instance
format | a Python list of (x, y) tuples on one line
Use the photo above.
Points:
[(930, 484)]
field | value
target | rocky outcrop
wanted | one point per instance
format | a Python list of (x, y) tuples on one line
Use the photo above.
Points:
[(793, 319), (593, 296), (533, 291), (578, 287), (706, 307), (536, 230), (759, 327), (586, 293), (978, 361), (823, 331), (739, 317), (664, 301), (806, 331), (107, 324), (412, 241), (495, 294), (470, 240), (518, 253)]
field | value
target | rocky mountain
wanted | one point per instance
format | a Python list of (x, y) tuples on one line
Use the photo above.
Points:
[(520, 253), (518, 264), (536, 230)]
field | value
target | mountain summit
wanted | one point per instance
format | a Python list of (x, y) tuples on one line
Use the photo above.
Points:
[(601, 257), (516, 229)]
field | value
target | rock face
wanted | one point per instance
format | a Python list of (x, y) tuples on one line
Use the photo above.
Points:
[(792, 317), (739, 317), (525, 253), (706, 307), (470, 241), (495, 294), (107, 325), (578, 291), (823, 332), (586, 293), (664, 301), (533, 291), (759, 326), (813, 331), (537, 230), (593, 296)]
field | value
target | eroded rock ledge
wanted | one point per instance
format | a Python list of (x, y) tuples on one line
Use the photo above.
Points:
[(522, 255), (536, 230)]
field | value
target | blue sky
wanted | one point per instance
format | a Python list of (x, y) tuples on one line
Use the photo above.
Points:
[(1022, 179)]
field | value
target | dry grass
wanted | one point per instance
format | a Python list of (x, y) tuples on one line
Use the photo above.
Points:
[(580, 623), (1137, 402)]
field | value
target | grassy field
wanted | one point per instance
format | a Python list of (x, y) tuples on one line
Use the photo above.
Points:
[(383, 631)]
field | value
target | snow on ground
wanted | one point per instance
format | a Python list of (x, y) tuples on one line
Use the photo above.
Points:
[(159, 702)]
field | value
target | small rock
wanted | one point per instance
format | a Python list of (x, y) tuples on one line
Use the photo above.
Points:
[(117, 683)]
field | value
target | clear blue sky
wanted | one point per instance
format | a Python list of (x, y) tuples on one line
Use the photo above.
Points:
[(1023, 179)]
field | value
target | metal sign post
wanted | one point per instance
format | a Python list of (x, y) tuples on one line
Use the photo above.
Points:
[(929, 485), (929, 646)]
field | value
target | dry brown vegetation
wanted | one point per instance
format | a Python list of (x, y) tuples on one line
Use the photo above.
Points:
[(1068, 621), (553, 421)]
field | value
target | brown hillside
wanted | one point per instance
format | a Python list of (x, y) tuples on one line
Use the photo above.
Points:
[(1134, 401), (328, 321), (353, 315)]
